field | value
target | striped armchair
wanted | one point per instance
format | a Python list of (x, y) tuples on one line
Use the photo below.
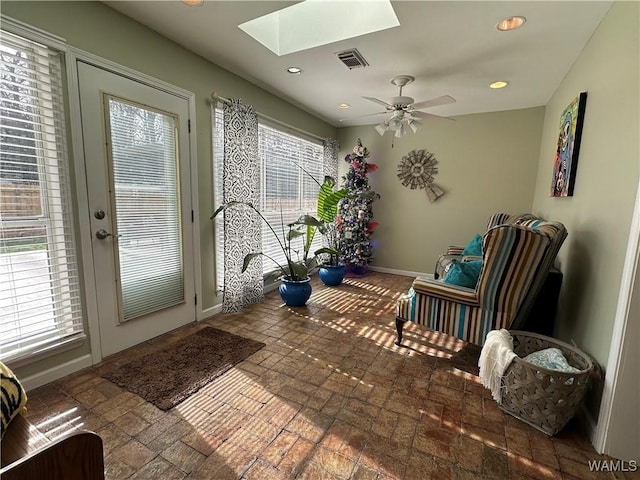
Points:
[(454, 252), (517, 257)]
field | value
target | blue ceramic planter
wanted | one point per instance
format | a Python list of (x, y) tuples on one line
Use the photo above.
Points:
[(295, 294), (332, 275)]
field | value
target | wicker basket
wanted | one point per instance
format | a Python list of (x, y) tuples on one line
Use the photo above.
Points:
[(545, 399)]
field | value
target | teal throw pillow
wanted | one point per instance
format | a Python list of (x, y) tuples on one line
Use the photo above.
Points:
[(474, 247), (463, 274)]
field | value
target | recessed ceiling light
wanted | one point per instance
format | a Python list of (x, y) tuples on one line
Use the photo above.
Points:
[(511, 23), (193, 3), (344, 106), (499, 84), (294, 70)]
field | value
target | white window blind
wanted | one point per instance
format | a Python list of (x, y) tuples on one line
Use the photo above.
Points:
[(283, 185), (144, 164), (40, 306)]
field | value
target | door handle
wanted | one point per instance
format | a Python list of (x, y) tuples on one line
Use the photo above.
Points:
[(102, 234)]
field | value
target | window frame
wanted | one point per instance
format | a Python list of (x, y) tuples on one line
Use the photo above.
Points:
[(70, 332)]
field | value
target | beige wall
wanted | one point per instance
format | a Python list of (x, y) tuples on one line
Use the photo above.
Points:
[(598, 216), (487, 164), (100, 30)]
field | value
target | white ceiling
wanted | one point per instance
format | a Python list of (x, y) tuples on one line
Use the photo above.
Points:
[(451, 47)]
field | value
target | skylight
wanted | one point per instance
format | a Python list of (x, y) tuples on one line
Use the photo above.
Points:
[(313, 23)]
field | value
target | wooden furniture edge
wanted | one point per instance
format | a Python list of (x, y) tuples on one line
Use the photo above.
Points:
[(75, 455)]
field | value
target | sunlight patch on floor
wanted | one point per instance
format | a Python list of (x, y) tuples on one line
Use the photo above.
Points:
[(466, 375), (70, 420), (61, 416), (328, 365)]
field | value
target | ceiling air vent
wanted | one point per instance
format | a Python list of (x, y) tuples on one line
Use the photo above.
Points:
[(352, 59)]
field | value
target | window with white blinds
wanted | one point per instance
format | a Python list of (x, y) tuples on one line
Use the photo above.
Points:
[(40, 305), (283, 186)]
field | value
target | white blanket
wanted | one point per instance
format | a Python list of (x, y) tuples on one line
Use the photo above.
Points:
[(497, 353)]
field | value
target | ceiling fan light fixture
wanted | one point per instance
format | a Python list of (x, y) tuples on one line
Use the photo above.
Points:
[(511, 23), (415, 125), (393, 123), (382, 128), (193, 3), (400, 131)]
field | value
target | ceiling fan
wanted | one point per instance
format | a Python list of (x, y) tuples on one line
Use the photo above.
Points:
[(405, 111)]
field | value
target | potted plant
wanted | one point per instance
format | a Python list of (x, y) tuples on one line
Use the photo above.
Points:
[(295, 288), (331, 271)]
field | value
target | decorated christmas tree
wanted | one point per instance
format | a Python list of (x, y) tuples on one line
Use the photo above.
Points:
[(355, 214)]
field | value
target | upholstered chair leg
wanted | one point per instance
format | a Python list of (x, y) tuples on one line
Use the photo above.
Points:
[(399, 327)]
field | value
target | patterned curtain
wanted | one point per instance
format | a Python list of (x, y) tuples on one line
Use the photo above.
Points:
[(330, 160), (242, 228)]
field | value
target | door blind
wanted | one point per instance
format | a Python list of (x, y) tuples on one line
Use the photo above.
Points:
[(40, 305), (143, 159), (286, 190)]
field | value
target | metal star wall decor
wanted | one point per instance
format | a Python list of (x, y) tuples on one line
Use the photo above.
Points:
[(417, 169)]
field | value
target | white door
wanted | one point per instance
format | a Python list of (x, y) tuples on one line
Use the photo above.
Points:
[(136, 144)]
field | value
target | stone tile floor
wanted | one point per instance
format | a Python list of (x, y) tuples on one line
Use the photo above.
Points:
[(329, 397)]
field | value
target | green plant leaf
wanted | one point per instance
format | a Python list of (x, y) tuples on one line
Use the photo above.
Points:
[(328, 200), (299, 271), (294, 234), (311, 232), (311, 263), (308, 220), (248, 258)]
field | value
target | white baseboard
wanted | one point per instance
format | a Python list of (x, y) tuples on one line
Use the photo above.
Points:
[(211, 311), (589, 423), (394, 271), (59, 371)]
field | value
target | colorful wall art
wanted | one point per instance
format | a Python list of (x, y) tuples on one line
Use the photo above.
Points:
[(568, 147)]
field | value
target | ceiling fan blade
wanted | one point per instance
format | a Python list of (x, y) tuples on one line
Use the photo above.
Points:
[(429, 115), (379, 102), (434, 102), (360, 116)]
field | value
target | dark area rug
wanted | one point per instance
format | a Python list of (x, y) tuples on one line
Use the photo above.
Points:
[(169, 376)]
